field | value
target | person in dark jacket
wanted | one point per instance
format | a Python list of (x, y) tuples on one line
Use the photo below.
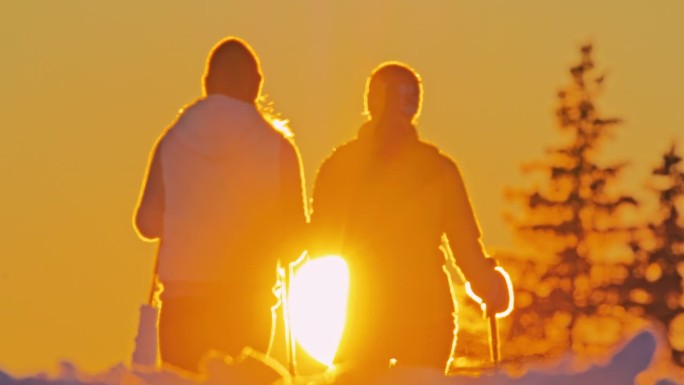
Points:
[(383, 202), (224, 197)]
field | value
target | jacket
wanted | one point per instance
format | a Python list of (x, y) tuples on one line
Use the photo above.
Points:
[(232, 195)]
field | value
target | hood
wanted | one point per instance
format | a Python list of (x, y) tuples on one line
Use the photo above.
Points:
[(387, 136), (217, 122)]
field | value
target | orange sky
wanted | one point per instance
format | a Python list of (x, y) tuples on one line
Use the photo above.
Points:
[(88, 85)]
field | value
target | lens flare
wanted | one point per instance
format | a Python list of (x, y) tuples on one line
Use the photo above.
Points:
[(318, 306)]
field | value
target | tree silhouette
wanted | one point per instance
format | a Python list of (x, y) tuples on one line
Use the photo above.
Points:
[(655, 284), (571, 224)]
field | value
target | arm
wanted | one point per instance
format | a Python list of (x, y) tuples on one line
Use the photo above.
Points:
[(329, 205), (464, 235), (294, 208), (149, 214)]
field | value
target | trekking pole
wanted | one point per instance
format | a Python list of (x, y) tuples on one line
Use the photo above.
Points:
[(494, 346), (289, 334), (494, 340), (146, 351)]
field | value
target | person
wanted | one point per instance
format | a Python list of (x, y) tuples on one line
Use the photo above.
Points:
[(383, 202), (224, 196)]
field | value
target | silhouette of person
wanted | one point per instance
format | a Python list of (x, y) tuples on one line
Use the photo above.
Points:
[(383, 201), (224, 196)]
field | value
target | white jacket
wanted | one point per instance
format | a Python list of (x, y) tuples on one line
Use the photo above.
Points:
[(226, 212)]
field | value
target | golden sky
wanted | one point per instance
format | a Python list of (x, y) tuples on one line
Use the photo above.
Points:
[(87, 86)]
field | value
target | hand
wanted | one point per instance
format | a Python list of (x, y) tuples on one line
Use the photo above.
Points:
[(498, 295)]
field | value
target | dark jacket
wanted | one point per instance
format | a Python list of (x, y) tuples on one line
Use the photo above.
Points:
[(383, 204)]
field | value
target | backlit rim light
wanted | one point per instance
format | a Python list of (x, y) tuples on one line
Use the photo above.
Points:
[(318, 306), (509, 287)]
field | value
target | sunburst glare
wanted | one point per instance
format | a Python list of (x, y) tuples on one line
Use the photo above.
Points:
[(318, 306)]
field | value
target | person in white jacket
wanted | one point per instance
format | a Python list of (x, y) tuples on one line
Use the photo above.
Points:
[(224, 196)]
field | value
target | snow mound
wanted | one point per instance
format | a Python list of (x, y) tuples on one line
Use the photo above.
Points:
[(624, 368)]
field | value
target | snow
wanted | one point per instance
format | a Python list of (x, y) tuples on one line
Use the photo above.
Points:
[(630, 364)]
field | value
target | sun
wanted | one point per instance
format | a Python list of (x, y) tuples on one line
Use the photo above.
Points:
[(318, 306)]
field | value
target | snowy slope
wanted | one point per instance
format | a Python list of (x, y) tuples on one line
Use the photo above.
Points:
[(629, 365)]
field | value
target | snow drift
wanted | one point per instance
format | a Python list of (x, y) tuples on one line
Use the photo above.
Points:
[(635, 362)]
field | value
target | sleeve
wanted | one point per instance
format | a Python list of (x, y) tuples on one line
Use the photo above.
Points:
[(294, 209), (149, 213), (463, 232), (327, 201)]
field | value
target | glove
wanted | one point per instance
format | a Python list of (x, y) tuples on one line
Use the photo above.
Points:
[(499, 293)]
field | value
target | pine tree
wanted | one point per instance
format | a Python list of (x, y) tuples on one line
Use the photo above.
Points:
[(655, 284), (572, 224)]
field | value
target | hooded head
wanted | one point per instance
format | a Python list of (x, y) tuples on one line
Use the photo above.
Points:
[(233, 70), (394, 90)]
